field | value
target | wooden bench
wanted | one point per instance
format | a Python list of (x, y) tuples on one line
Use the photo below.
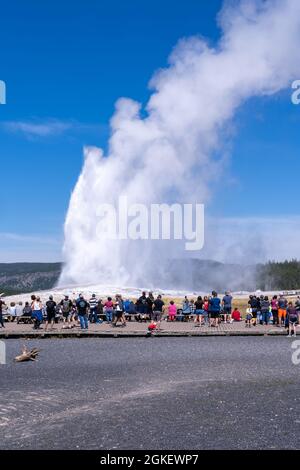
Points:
[(26, 319), (128, 316)]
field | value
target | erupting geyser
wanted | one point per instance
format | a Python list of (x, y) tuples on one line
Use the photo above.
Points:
[(170, 155)]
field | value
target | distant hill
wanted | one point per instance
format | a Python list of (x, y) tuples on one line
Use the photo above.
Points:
[(18, 278), (190, 274)]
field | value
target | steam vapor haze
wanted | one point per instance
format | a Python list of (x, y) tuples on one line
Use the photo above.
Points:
[(170, 154)]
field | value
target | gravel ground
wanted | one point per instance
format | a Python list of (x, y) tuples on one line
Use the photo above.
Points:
[(156, 393)]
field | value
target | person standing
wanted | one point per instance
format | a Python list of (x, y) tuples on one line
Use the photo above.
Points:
[(58, 313), (121, 305), (109, 308), (66, 307), (265, 310), (100, 310), (214, 309), (150, 300), (274, 306), (37, 312), (2, 303), (282, 309), (192, 307), (249, 317), (158, 306), (73, 313), (143, 307), (297, 306), (206, 309), (227, 306), (119, 311), (50, 311), (199, 311), (259, 312), (292, 318), (254, 305), (82, 308), (93, 309)]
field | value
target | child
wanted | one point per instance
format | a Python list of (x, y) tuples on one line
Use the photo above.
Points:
[(236, 315), (58, 314), (153, 327), (205, 308), (249, 317), (172, 311), (292, 318), (271, 318)]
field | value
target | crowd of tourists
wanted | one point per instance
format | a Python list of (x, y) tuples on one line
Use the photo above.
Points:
[(209, 310)]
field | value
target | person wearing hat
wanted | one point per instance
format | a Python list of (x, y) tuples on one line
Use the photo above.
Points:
[(50, 310)]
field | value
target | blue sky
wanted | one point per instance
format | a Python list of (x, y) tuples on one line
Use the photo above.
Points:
[(65, 67)]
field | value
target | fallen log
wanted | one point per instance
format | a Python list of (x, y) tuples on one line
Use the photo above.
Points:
[(27, 355)]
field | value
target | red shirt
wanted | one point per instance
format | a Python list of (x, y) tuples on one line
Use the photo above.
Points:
[(236, 315), (109, 304)]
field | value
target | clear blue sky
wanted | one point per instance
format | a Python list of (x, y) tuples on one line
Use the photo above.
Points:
[(65, 64)]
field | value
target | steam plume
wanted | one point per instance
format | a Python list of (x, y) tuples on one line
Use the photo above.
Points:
[(170, 154)]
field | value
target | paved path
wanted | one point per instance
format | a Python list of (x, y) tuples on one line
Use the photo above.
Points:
[(140, 329), (138, 393)]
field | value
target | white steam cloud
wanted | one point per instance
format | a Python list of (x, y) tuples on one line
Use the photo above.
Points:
[(173, 153)]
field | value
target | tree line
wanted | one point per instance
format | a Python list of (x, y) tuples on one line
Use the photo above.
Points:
[(279, 275)]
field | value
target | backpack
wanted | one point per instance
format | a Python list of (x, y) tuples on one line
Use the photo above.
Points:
[(50, 305), (66, 306)]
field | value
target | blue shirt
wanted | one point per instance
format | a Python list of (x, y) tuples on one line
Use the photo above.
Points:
[(215, 304), (227, 299), (126, 305)]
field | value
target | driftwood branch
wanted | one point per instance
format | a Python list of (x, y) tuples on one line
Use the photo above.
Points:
[(27, 355)]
